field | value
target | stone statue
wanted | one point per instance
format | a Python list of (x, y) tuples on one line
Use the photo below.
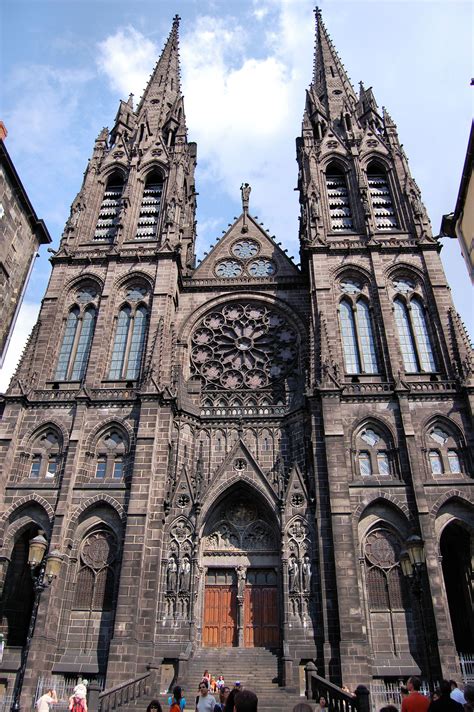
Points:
[(306, 571), (314, 205), (241, 578), (294, 575), (170, 212), (245, 190), (185, 575), (171, 574)]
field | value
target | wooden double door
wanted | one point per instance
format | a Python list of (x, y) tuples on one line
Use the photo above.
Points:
[(258, 615)]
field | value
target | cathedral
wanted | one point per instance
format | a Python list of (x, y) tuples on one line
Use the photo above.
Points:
[(243, 454)]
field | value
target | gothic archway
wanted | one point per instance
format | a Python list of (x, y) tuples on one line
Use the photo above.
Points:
[(17, 598), (457, 548), (241, 588)]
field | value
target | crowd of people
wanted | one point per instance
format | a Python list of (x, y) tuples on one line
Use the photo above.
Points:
[(448, 697)]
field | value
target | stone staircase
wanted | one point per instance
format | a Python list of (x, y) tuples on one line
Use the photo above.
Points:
[(256, 668)]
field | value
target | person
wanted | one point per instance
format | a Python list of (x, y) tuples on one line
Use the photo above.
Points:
[(204, 701), (224, 692), (49, 698), (176, 701), (220, 682), (246, 701), (154, 706), (322, 706), (445, 703), (230, 702), (415, 701), (78, 699), (469, 696), (456, 693), (206, 675), (213, 684)]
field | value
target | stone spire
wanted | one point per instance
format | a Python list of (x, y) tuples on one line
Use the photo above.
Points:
[(163, 92), (330, 81)]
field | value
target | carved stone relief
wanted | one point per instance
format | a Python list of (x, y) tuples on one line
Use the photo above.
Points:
[(178, 571)]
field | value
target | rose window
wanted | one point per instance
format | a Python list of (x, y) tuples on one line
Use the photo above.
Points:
[(245, 249), (229, 268), (262, 268), (243, 346)]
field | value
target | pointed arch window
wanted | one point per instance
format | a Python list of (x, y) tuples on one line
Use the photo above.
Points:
[(111, 452), (414, 338), (375, 455), (107, 222), (129, 343), (45, 456), (445, 457), (76, 344), (95, 582), (338, 199), (382, 203), (150, 208), (357, 337)]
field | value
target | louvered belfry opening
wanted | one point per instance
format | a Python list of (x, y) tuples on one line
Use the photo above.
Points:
[(382, 203), (338, 198), (107, 222), (150, 208)]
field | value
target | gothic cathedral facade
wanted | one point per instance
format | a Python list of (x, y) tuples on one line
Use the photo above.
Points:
[(235, 454)]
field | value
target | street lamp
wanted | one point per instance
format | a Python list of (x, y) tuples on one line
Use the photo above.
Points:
[(43, 571), (412, 561)]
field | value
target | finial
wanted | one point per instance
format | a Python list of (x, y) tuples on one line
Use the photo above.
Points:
[(245, 191)]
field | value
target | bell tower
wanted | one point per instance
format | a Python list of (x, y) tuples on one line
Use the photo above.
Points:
[(387, 346)]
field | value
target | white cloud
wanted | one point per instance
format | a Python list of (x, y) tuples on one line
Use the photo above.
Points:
[(26, 320), (127, 57)]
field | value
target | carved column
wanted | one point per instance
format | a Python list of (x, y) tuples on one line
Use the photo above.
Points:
[(241, 579)]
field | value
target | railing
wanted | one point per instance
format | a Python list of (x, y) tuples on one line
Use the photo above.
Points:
[(337, 700), (123, 694), (64, 687), (467, 667)]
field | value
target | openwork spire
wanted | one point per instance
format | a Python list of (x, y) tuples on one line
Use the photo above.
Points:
[(164, 86), (330, 81)]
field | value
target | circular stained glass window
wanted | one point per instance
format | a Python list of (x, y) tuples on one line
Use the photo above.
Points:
[(245, 249), (229, 269), (262, 268)]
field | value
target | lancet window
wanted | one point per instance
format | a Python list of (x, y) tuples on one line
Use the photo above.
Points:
[(357, 333), (150, 207), (444, 451), (382, 560), (130, 335), (374, 453), (95, 582), (413, 330), (382, 203), (338, 199), (45, 455), (109, 212), (78, 335), (111, 453)]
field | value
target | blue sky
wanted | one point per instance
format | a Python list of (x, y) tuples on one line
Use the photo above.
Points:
[(245, 68)]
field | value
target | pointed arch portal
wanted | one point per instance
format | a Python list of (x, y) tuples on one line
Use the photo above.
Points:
[(240, 549)]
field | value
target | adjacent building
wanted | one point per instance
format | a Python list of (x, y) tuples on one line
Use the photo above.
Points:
[(234, 454), (21, 234)]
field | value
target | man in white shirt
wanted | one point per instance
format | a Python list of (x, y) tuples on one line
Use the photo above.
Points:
[(49, 698), (457, 694), (205, 702)]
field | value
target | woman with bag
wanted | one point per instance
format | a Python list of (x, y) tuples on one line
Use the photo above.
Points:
[(176, 701)]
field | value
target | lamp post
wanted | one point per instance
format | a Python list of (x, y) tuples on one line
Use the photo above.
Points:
[(43, 571), (412, 562)]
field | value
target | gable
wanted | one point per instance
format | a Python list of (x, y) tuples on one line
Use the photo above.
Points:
[(246, 253)]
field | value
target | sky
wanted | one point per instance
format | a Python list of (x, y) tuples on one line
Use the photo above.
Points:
[(245, 67)]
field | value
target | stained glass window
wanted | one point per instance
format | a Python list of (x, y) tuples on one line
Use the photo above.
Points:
[(52, 467), (436, 462), (405, 337), (349, 338), (95, 581), (262, 268), (137, 343), (245, 249), (35, 466), (454, 462), (101, 468), (383, 463), (229, 269), (76, 344), (118, 468), (366, 337), (365, 464), (120, 342), (420, 329)]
